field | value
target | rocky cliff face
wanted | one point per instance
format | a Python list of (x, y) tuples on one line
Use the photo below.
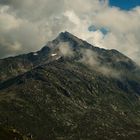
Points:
[(71, 90)]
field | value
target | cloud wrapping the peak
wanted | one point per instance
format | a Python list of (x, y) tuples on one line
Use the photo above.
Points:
[(27, 25), (92, 60), (65, 49)]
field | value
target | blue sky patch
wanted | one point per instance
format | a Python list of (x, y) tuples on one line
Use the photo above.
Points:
[(93, 28), (104, 30), (124, 4)]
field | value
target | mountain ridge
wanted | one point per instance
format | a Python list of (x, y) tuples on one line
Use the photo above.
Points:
[(30, 60)]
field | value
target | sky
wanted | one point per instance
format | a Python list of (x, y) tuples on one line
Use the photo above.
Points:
[(124, 4), (29, 24)]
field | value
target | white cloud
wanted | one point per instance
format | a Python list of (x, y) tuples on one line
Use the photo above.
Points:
[(7, 21), (65, 49), (31, 23), (92, 60)]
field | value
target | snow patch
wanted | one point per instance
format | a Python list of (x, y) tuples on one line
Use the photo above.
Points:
[(35, 53), (54, 54), (58, 58)]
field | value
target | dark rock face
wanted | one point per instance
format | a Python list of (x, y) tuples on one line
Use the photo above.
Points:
[(53, 96), (12, 134)]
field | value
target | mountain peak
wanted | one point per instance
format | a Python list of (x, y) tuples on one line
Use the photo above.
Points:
[(65, 35)]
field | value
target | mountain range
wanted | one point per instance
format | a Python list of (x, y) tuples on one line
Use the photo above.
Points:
[(70, 90)]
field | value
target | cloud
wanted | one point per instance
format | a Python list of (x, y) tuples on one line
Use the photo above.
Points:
[(7, 21), (92, 60), (65, 49), (29, 24), (124, 27)]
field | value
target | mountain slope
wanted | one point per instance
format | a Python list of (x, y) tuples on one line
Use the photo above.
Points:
[(11, 134), (13, 66), (84, 93)]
